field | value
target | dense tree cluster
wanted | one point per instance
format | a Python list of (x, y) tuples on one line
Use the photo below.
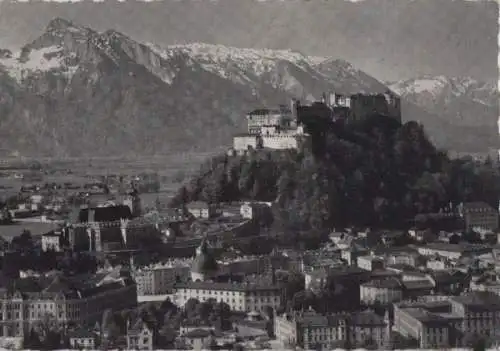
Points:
[(375, 172)]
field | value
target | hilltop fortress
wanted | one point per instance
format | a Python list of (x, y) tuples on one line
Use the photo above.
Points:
[(284, 128)]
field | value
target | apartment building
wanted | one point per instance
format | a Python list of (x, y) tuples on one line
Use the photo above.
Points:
[(425, 328), (311, 330), (158, 279), (479, 215), (244, 297), (451, 322), (65, 300), (382, 291)]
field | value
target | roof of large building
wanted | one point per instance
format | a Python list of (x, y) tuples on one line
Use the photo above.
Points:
[(447, 277), (420, 284), (425, 317), (389, 283), (455, 247), (197, 205), (364, 318), (105, 214), (477, 206), (266, 111), (479, 300), (59, 285), (232, 286)]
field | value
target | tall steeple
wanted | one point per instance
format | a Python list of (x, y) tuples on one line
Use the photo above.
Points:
[(204, 265)]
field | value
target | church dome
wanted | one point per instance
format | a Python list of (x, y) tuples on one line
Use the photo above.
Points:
[(204, 262)]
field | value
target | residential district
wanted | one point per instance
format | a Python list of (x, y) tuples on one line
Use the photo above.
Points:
[(113, 274)]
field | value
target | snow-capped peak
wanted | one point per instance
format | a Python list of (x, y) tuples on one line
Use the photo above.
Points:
[(416, 86), (221, 59), (42, 60), (447, 87), (225, 52)]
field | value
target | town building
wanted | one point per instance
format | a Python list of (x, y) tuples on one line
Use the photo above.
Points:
[(139, 336), (98, 228), (83, 339), (316, 279), (381, 291), (324, 258), (487, 281), (254, 210), (351, 253), (64, 300), (370, 263), (397, 256), (51, 242), (479, 215), (449, 282), (479, 312), (200, 209), (112, 228), (244, 265), (244, 297), (272, 129), (312, 331), (451, 322), (197, 339), (425, 328), (158, 279), (452, 251), (255, 296)]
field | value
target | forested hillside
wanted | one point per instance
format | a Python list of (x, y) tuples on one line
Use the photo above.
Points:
[(377, 173)]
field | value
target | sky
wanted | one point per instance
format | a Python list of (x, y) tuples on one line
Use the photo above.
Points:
[(389, 39)]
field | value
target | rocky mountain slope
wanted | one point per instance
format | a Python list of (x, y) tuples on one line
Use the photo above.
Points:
[(74, 91), (460, 100)]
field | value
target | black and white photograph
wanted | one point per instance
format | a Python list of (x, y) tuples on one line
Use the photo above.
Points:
[(249, 175)]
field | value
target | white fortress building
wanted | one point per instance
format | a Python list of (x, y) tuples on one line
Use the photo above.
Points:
[(281, 128), (272, 129)]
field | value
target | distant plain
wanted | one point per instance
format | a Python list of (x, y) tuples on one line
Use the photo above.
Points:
[(173, 169)]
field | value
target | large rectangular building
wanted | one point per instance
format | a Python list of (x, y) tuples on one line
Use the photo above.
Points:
[(479, 215), (62, 300), (244, 297), (311, 330), (159, 279), (455, 322)]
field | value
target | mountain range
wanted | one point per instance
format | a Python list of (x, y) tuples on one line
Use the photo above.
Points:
[(74, 91)]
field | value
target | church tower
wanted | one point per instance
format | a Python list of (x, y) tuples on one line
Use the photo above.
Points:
[(204, 265)]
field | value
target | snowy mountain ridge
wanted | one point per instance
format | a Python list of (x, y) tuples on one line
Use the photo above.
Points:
[(463, 101), (76, 91), (482, 92)]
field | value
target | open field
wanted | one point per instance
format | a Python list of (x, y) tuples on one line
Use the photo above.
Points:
[(173, 169)]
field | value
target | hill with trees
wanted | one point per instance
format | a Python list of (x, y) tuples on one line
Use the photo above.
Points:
[(376, 172)]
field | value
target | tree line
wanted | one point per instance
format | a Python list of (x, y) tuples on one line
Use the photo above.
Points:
[(376, 172)]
